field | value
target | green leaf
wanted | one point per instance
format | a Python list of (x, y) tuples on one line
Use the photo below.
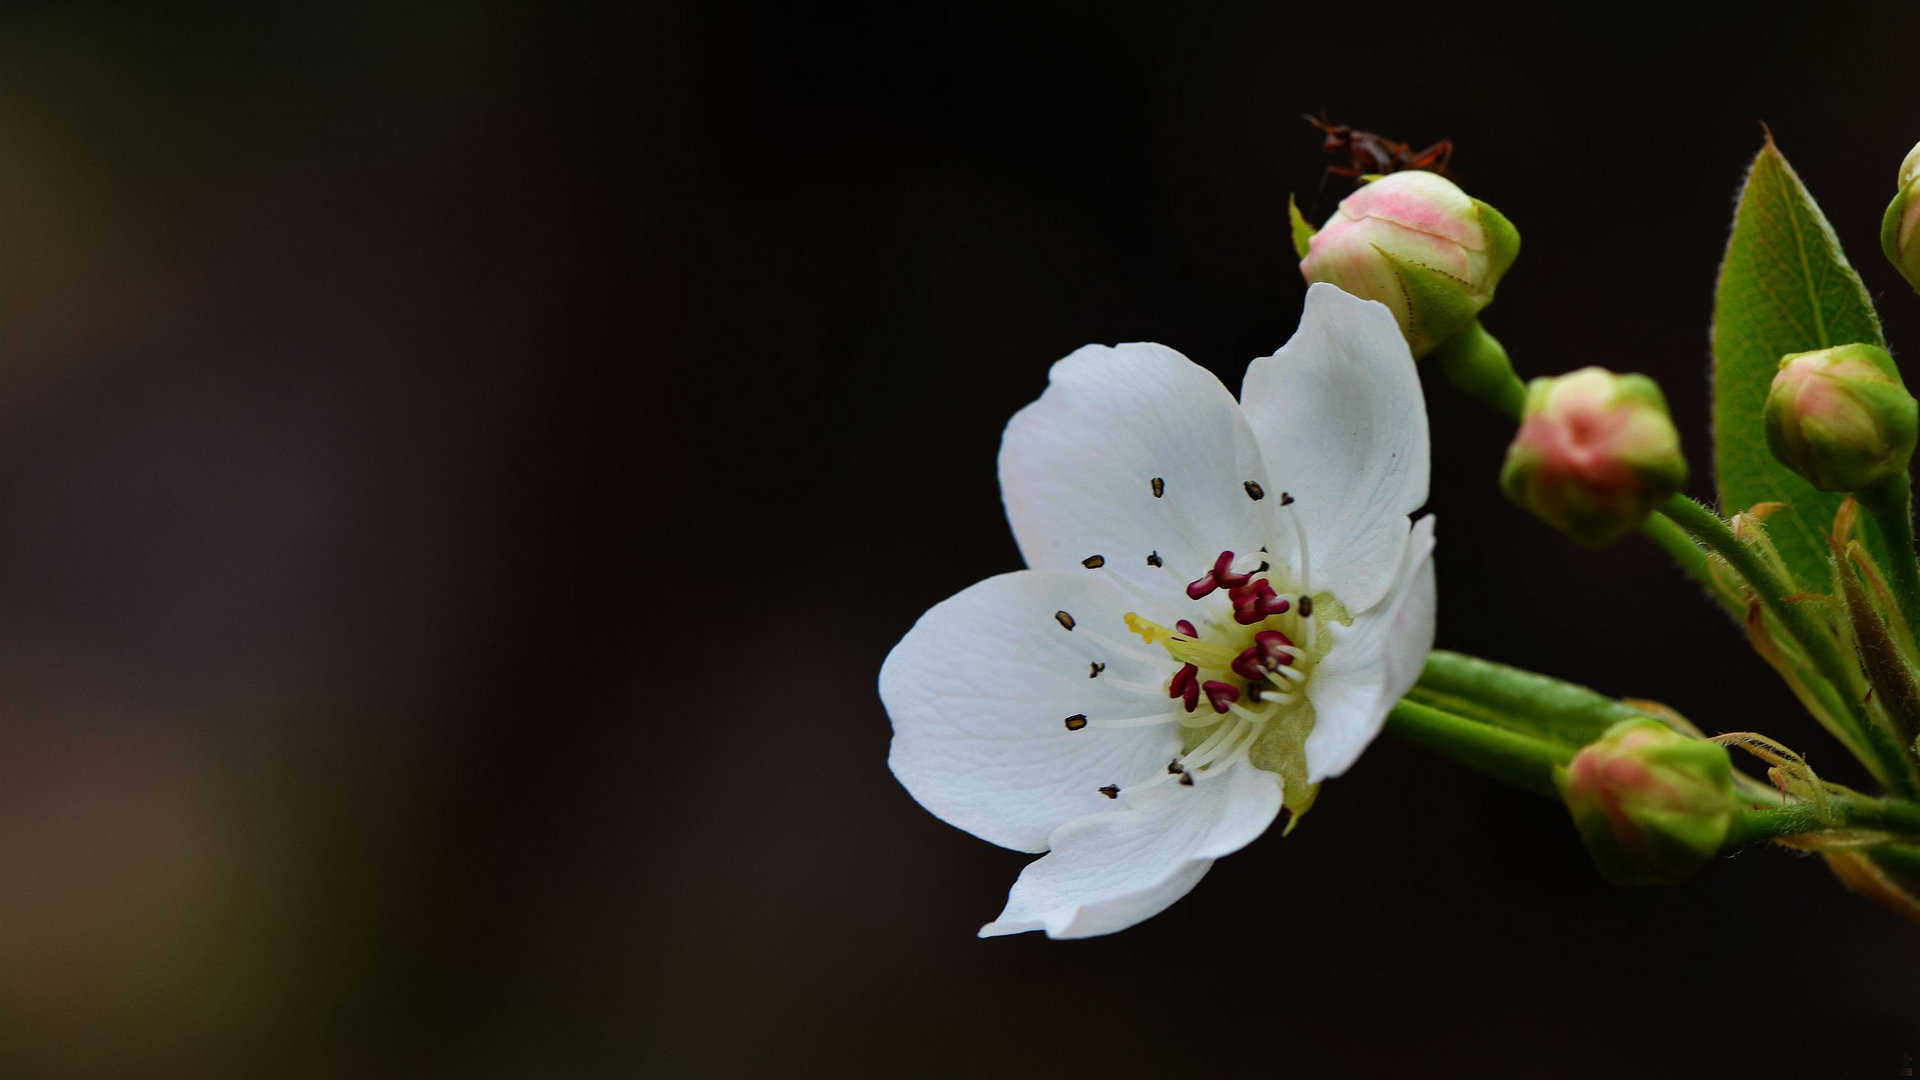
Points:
[(1302, 232), (1785, 287)]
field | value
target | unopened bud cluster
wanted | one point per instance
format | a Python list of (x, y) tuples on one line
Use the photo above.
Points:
[(1418, 244), (1596, 452)]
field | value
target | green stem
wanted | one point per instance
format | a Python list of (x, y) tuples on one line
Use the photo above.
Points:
[(1691, 558), (1883, 757), (1891, 506), (1843, 811), (1477, 365), (1501, 754), (1526, 703)]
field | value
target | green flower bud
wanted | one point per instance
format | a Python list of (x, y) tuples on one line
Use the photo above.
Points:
[(1841, 417), (1421, 246), (1900, 228), (1652, 804), (1595, 453)]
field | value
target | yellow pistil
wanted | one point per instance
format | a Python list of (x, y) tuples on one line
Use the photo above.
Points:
[(1185, 649)]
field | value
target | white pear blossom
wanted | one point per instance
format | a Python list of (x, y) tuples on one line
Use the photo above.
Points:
[(1225, 599)]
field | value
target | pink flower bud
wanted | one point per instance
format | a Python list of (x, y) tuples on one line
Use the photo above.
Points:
[(1900, 228), (1651, 804), (1418, 244), (1596, 452), (1841, 417)]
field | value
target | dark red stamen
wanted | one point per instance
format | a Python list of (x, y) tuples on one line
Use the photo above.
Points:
[(1186, 628), (1267, 653), (1222, 576), (1223, 572), (1186, 685), (1220, 695), (1254, 602)]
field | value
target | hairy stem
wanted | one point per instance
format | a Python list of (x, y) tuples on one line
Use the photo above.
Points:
[(1882, 756)]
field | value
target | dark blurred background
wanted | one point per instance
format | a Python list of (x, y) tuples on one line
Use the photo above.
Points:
[(463, 468)]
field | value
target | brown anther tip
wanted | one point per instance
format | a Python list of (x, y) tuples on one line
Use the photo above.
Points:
[(1076, 721), (1186, 779), (1153, 559), (1159, 487), (1094, 668), (1111, 791), (1175, 768), (1094, 562), (1306, 606), (1285, 500), (1254, 491), (1065, 620)]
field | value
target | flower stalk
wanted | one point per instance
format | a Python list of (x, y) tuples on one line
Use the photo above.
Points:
[(1477, 365), (1884, 758), (1518, 726), (1890, 504)]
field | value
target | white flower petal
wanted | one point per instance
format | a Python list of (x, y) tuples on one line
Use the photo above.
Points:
[(1077, 468), (979, 691), (1111, 870), (1340, 417), (1373, 663)]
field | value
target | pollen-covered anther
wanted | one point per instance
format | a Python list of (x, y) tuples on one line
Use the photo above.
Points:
[(1220, 694), (1222, 576), (1270, 651), (1185, 686), (1255, 601)]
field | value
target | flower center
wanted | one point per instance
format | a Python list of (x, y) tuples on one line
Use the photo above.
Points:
[(1250, 664)]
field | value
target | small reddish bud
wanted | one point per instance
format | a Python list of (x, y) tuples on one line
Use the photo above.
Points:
[(1415, 242), (1595, 453), (1900, 227), (1841, 417), (1653, 805)]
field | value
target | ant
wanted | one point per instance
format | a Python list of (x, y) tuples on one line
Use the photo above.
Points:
[(1368, 153)]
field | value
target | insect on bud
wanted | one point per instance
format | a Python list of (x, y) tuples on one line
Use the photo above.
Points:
[(1418, 244), (1900, 228), (1596, 452), (1841, 417), (1652, 804)]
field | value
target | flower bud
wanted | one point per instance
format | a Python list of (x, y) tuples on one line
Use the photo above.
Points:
[(1418, 244), (1900, 228), (1652, 804), (1596, 452), (1841, 417)]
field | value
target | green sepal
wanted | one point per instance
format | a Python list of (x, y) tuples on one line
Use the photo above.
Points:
[(1302, 232), (1784, 287), (1441, 305), (1503, 243)]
